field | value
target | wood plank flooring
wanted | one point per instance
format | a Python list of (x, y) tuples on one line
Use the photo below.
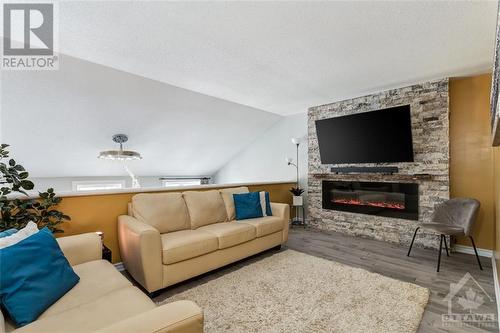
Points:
[(420, 268), (389, 260)]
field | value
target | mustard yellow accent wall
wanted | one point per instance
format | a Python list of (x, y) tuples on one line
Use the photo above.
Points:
[(496, 179), (100, 212), (471, 154)]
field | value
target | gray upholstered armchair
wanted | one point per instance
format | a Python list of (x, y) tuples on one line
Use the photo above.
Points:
[(454, 217)]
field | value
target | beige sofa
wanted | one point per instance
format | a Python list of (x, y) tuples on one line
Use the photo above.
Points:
[(171, 237), (105, 301)]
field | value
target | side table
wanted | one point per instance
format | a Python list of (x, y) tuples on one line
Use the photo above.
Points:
[(300, 216), (106, 253)]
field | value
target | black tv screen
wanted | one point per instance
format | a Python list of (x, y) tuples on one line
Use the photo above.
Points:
[(382, 136)]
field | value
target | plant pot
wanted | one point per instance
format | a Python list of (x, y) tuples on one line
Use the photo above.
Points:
[(297, 200)]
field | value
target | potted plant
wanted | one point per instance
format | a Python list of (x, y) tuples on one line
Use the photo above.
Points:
[(17, 212), (297, 196)]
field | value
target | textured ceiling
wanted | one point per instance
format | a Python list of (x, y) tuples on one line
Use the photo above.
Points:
[(283, 57)]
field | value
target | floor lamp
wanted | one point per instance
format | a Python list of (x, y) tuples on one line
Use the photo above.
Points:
[(297, 199)]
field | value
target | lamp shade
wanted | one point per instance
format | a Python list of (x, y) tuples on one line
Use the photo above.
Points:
[(119, 155)]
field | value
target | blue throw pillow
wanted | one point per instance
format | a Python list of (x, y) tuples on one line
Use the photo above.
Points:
[(269, 212), (33, 275), (247, 205), (7, 232)]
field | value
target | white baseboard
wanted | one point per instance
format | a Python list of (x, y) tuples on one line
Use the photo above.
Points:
[(119, 266), (470, 250), (495, 281)]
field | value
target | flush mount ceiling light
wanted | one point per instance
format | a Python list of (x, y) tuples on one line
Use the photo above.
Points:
[(120, 155)]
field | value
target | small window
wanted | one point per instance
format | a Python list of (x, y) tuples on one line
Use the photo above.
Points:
[(171, 182), (180, 182), (98, 185)]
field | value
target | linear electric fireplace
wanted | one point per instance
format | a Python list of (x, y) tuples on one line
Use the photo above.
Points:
[(399, 200)]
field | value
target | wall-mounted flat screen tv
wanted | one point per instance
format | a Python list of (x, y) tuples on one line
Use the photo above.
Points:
[(381, 136)]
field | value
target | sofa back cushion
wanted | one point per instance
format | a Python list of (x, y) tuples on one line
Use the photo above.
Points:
[(166, 212), (205, 207), (227, 196)]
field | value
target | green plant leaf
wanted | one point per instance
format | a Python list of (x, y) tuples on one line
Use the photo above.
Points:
[(16, 213), (27, 184)]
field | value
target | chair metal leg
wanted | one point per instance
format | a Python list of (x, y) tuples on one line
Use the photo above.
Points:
[(446, 246), (440, 249), (475, 250), (412, 240)]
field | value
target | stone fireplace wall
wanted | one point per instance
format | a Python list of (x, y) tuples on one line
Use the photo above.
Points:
[(430, 126)]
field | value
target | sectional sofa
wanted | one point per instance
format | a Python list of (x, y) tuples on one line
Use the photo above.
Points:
[(104, 301), (170, 237)]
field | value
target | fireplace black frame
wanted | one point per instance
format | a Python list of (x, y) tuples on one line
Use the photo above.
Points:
[(408, 209)]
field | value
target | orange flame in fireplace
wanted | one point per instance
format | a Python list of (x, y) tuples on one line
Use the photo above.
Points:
[(381, 204)]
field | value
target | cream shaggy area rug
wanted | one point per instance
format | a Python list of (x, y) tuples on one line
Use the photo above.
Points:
[(294, 292)]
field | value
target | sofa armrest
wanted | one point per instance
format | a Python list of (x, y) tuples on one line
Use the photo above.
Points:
[(82, 248), (282, 211), (141, 252), (177, 317)]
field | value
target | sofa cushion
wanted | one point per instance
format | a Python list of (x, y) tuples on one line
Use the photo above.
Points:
[(113, 307), (231, 233), (265, 225), (166, 212), (187, 244), (227, 196), (97, 278), (205, 207), (247, 206), (34, 274)]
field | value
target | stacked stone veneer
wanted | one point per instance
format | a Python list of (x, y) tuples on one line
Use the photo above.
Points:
[(430, 128)]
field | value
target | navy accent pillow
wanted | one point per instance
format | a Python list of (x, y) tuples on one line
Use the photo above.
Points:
[(8, 232), (247, 205), (269, 212), (33, 275)]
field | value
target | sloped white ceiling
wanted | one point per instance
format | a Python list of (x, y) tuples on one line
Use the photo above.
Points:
[(283, 57), (58, 121)]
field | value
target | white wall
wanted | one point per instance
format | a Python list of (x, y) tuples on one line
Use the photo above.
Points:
[(264, 159), (1, 132), (64, 184), (57, 122)]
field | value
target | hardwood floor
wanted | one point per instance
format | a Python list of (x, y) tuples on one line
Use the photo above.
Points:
[(391, 260), (386, 259)]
